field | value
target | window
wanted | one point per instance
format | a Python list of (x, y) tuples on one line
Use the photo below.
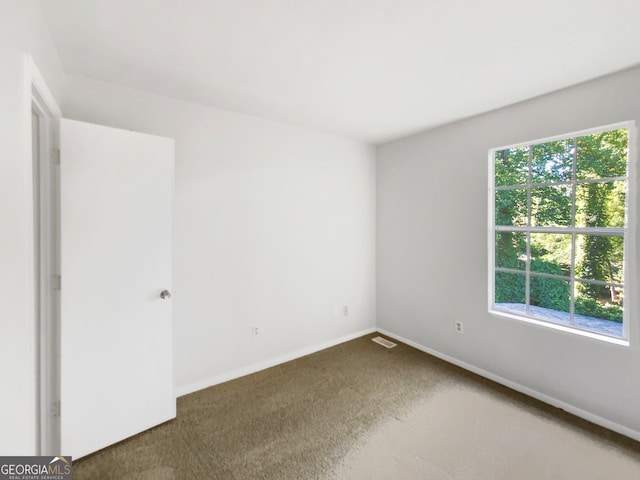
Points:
[(559, 220)]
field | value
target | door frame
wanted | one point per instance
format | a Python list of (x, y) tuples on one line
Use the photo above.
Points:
[(44, 255)]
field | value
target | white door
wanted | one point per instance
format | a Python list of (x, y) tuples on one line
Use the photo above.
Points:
[(116, 330)]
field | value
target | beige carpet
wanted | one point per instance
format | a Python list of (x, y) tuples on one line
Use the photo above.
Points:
[(462, 434), (359, 411)]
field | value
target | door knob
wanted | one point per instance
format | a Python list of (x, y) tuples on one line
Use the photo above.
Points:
[(164, 294)]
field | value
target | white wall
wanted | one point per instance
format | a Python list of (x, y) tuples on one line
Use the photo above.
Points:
[(274, 226), (22, 30), (432, 253)]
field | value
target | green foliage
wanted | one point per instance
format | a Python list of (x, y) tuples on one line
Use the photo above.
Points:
[(511, 166), (551, 206), (598, 203), (509, 288), (594, 265), (548, 292), (511, 207), (552, 161), (616, 203), (602, 155), (554, 248), (592, 308), (544, 292), (510, 248)]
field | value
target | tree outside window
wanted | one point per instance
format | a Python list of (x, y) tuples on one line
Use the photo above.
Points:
[(559, 224)]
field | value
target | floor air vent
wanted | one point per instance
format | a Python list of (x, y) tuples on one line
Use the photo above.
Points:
[(384, 342)]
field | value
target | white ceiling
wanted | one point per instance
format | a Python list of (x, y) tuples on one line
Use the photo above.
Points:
[(372, 70)]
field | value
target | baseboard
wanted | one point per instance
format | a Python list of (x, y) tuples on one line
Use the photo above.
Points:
[(603, 422), (256, 367)]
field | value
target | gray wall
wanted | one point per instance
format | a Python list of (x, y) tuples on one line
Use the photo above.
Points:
[(432, 221)]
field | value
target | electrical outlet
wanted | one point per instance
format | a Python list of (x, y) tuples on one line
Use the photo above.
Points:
[(254, 331), (345, 311), (459, 327)]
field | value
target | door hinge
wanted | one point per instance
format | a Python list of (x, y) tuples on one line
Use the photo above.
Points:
[(55, 409), (57, 282), (55, 156)]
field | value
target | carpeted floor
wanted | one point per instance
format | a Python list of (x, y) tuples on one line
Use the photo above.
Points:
[(359, 411)]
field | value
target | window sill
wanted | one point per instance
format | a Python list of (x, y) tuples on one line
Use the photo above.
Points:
[(556, 326)]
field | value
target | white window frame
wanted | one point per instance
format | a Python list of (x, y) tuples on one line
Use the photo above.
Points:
[(628, 232)]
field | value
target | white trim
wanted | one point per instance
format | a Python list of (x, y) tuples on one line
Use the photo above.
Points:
[(631, 238), (591, 417), (564, 136), (256, 367), (491, 225), (602, 231), (36, 80), (43, 309), (522, 317), (583, 181)]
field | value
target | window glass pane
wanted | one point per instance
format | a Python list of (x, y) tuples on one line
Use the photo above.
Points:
[(511, 248), (511, 166), (599, 257), (602, 155), (552, 161), (600, 204), (551, 294), (551, 206), (511, 207), (563, 277), (600, 310), (509, 291), (551, 253)]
